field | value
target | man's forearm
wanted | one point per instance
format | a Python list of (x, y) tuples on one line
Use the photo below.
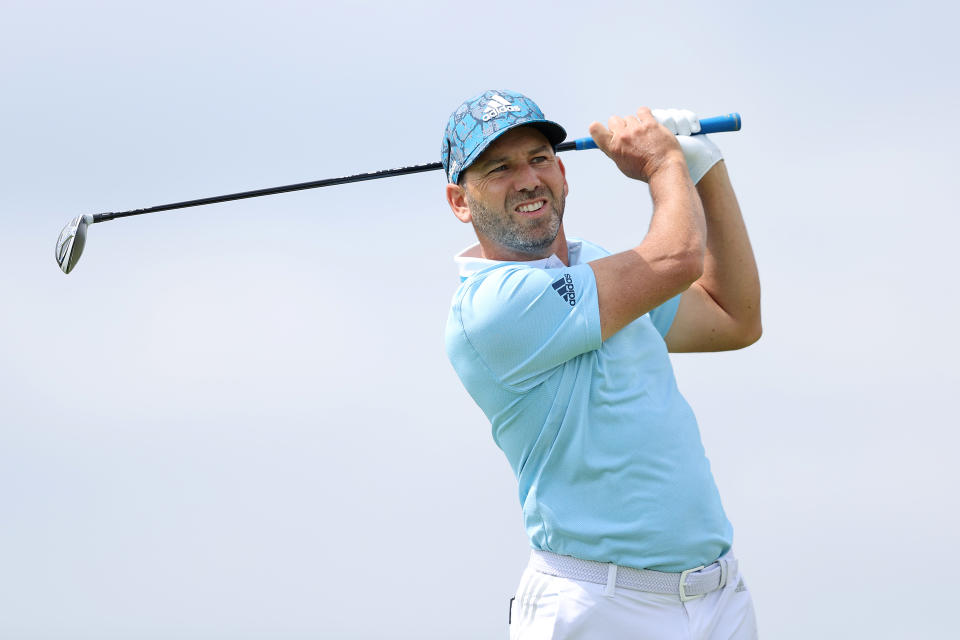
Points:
[(730, 271), (678, 226)]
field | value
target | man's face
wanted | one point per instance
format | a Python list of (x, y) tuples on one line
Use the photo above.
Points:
[(516, 192)]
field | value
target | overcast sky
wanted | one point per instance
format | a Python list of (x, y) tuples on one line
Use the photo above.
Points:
[(238, 421)]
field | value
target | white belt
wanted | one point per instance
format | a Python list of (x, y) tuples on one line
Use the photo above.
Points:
[(689, 584)]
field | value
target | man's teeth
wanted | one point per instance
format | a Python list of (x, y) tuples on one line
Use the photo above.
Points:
[(527, 208)]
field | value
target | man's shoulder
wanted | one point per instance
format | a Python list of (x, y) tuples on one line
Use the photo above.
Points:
[(507, 283), (498, 283), (500, 270)]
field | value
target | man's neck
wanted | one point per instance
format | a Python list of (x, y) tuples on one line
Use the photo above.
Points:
[(493, 251)]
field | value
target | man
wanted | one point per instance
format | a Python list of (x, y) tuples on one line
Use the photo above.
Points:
[(565, 348)]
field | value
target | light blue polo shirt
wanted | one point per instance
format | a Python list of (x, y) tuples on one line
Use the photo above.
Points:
[(606, 451)]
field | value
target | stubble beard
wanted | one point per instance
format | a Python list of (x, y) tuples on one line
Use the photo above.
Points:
[(528, 236)]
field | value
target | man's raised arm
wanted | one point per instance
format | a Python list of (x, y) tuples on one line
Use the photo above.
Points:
[(671, 255)]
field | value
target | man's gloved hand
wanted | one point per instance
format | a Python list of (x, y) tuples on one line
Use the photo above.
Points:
[(699, 151)]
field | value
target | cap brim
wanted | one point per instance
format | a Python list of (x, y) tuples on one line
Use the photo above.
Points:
[(554, 132)]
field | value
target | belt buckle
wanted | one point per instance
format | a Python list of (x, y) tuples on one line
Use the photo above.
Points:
[(683, 587)]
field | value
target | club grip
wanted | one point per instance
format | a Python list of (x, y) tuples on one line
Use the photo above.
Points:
[(719, 124), (716, 124)]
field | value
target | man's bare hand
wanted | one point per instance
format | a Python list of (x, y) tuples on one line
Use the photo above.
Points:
[(639, 145)]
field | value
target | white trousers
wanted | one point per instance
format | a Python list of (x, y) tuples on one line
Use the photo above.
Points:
[(551, 608)]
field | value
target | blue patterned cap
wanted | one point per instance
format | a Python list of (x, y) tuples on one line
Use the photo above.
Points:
[(484, 118)]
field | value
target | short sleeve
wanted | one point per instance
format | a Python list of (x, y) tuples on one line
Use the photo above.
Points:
[(524, 321), (662, 316)]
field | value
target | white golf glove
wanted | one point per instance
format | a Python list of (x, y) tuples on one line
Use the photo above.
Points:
[(699, 151)]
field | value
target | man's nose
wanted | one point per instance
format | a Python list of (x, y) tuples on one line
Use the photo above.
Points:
[(526, 178)]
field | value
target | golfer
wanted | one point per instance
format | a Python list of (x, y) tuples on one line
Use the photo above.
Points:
[(564, 346)]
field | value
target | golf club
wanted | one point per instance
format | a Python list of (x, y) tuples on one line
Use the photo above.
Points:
[(73, 237)]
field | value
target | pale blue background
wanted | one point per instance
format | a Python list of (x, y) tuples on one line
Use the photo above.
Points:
[(238, 421)]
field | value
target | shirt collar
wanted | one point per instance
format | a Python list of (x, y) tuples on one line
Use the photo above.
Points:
[(470, 260)]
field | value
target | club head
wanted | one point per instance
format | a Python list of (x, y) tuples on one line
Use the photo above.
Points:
[(71, 241)]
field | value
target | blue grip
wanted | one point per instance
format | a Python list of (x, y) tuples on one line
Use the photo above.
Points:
[(585, 143), (716, 124)]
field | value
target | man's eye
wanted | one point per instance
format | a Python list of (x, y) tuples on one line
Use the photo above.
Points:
[(540, 159), (502, 167)]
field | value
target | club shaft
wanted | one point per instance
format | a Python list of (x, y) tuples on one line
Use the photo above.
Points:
[(328, 182), (729, 122)]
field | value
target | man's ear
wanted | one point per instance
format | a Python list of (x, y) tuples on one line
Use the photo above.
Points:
[(457, 199)]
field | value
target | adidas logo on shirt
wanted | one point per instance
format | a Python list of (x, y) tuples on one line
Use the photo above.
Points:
[(564, 286), (498, 105)]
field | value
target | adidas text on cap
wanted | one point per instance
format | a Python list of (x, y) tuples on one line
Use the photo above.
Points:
[(484, 118)]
